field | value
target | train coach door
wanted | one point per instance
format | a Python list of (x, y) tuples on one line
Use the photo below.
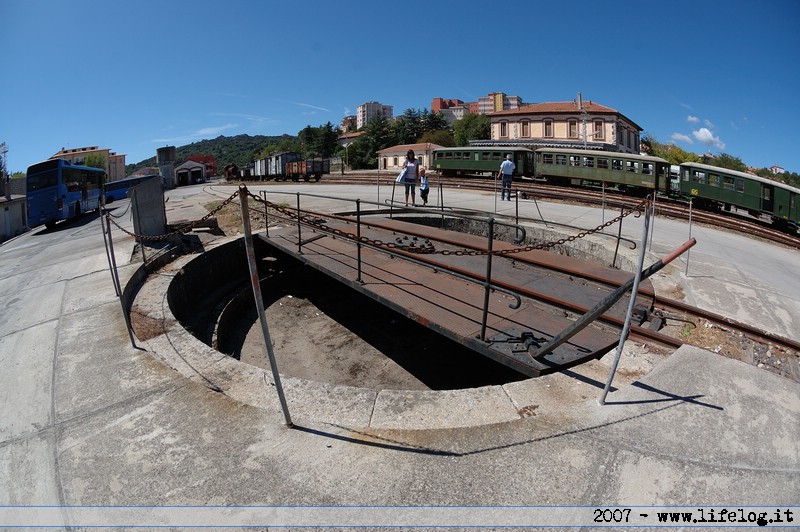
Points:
[(767, 198)]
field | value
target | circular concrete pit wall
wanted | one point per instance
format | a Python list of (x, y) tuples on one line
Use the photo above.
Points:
[(321, 329)]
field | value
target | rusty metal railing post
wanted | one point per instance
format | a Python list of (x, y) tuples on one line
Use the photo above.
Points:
[(391, 202), (619, 237), (487, 285), (358, 239), (115, 279), (138, 238), (631, 303), (441, 199), (262, 317), (105, 225), (263, 194), (686, 271), (299, 233)]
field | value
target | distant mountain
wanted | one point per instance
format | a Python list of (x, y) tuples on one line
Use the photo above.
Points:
[(239, 150)]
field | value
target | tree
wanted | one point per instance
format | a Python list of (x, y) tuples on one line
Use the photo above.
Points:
[(670, 152), (378, 134), (471, 127), (730, 162), (440, 137), (433, 122), (95, 160), (407, 127)]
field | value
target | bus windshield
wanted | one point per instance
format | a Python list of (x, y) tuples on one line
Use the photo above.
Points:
[(57, 190)]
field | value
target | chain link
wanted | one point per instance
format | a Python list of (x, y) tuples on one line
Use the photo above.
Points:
[(181, 229), (414, 246)]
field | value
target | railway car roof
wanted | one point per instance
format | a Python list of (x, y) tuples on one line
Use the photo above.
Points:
[(484, 148), (600, 153), (745, 175)]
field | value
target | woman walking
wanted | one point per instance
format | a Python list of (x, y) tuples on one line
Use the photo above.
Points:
[(411, 166)]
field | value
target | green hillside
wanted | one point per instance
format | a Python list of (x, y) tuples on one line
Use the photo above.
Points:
[(239, 150)]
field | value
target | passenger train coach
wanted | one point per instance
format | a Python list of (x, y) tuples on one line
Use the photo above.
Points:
[(709, 187)]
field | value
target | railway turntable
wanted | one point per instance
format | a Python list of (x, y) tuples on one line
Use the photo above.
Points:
[(507, 305)]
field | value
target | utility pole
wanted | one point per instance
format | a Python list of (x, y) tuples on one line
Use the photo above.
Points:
[(4, 170)]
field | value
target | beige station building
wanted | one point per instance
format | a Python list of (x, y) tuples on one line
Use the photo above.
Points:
[(578, 123)]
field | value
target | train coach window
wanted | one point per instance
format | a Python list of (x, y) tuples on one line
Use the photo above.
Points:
[(496, 156), (699, 177), (739, 184), (632, 166), (547, 158), (727, 182), (588, 162), (561, 159), (713, 180), (616, 164), (574, 160), (647, 168), (602, 163)]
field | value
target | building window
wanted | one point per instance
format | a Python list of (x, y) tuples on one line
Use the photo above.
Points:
[(503, 129), (548, 129), (573, 129), (526, 129), (599, 130)]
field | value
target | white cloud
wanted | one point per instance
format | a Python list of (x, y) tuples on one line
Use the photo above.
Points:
[(704, 136), (202, 133), (680, 137), (692, 119), (708, 123), (301, 104)]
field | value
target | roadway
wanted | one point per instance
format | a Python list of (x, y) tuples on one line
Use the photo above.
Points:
[(89, 419)]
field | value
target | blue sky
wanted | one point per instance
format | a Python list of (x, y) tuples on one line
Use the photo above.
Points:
[(135, 75)]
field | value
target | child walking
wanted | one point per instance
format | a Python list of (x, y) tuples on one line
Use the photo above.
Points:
[(423, 186)]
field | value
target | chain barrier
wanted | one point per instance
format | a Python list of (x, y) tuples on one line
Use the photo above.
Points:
[(413, 245), (181, 229), (426, 247)]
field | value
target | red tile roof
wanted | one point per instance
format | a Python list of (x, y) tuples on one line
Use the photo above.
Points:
[(556, 107)]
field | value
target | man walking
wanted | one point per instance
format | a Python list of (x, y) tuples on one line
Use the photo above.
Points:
[(506, 172)]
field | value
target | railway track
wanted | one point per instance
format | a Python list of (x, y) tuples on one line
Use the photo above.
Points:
[(664, 207), (670, 323)]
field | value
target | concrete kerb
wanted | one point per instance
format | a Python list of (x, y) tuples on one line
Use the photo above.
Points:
[(553, 396)]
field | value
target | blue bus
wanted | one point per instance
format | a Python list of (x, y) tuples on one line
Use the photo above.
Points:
[(57, 190), (117, 190)]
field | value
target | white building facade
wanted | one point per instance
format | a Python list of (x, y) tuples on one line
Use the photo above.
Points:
[(366, 111)]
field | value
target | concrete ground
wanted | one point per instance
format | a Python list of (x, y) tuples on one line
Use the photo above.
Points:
[(90, 420)]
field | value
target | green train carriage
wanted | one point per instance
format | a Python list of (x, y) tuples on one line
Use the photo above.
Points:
[(451, 162), (716, 188), (627, 171)]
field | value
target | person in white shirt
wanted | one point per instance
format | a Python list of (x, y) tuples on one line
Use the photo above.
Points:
[(411, 164), (506, 173)]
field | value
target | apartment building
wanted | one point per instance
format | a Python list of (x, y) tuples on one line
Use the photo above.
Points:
[(366, 111), (114, 163)]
